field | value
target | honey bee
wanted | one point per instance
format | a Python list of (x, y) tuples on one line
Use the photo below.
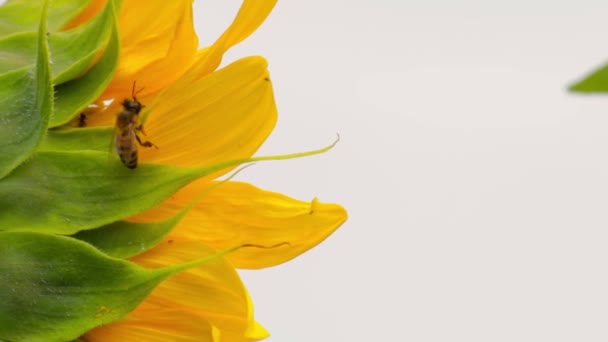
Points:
[(126, 131)]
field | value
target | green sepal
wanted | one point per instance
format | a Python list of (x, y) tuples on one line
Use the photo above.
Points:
[(126, 239), (56, 288), (26, 103), (24, 15), (74, 96), (74, 50), (595, 82), (65, 192)]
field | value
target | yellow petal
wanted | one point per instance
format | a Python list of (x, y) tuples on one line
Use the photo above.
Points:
[(255, 331), (153, 323), (226, 115), (158, 45), (212, 291), (198, 304), (251, 15), (152, 77), (239, 213)]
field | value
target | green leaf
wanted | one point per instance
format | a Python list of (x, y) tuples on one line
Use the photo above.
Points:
[(72, 97), (71, 52), (26, 100), (57, 288), (65, 192), (595, 82), (24, 15), (18, 51)]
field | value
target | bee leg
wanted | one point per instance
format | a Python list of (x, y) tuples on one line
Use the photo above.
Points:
[(82, 120), (140, 128), (145, 143)]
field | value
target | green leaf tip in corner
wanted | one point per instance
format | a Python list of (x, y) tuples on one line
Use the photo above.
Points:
[(595, 82), (26, 100)]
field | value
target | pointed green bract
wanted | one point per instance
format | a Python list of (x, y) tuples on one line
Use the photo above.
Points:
[(26, 101), (595, 82), (65, 192), (57, 288), (72, 97), (125, 239), (24, 15), (73, 51)]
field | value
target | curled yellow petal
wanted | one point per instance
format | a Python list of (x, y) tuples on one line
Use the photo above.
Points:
[(158, 45), (251, 15), (240, 213), (210, 298), (163, 50), (213, 291)]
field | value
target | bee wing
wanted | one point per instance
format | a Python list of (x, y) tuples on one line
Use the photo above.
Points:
[(113, 156)]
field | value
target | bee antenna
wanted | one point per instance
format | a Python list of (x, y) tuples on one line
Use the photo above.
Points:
[(134, 93)]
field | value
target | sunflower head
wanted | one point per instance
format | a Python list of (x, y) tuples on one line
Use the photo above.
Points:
[(93, 251)]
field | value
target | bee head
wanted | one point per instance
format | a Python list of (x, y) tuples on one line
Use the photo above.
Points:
[(132, 105)]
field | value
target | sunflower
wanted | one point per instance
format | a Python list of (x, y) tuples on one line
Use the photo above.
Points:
[(95, 251), (199, 115)]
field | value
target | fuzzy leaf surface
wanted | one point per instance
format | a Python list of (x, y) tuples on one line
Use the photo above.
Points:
[(73, 96), (57, 288), (26, 103), (65, 192)]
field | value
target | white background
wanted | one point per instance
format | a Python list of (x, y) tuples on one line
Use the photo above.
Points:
[(477, 186)]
